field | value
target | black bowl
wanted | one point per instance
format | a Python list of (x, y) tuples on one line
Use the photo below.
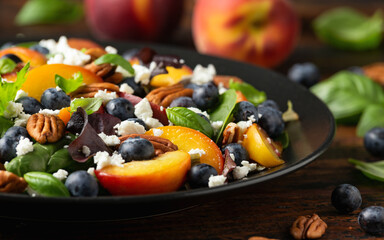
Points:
[(309, 137)]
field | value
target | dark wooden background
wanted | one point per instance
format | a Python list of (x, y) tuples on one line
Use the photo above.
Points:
[(269, 208)]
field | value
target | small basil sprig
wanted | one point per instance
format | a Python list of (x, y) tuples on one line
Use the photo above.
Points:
[(6, 65), (90, 105), (45, 184), (181, 116), (250, 92), (115, 59), (373, 170), (71, 84)]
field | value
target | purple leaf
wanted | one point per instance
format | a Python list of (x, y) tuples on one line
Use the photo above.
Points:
[(103, 122), (229, 164)]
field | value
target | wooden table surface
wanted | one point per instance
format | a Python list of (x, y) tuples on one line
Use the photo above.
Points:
[(269, 208)]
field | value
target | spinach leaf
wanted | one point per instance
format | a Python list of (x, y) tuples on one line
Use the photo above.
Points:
[(45, 184), (223, 112), (61, 159), (90, 105), (373, 116), (374, 170), (346, 28), (181, 116), (48, 12), (250, 92), (4, 125), (115, 59), (71, 84), (6, 65)]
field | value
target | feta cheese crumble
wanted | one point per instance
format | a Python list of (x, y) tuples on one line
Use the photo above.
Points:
[(105, 96), (142, 74), (216, 125), (203, 75), (111, 140), (102, 159), (49, 112), (196, 151), (126, 88), (24, 146), (91, 171), (242, 172), (13, 110), (129, 127), (86, 151), (22, 119), (110, 49), (20, 93), (217, 180), (61, 174), (144, 111), (157, 132)]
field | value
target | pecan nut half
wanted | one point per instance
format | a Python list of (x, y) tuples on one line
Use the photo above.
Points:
[(90, 90), (164, 96), (11, 183), (160, 144), (45, 128), (308, 227)]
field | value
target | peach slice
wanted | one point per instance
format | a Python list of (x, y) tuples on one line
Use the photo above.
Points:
[(173, 76), (187, 139), (260, 147), (43, 77), (165, 173), (80, 43), (65, 114), (26, 55)]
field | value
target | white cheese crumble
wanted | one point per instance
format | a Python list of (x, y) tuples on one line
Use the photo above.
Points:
[(216, 125), (22, 119), (111, 50), (203, 75), (105, 96), (49, 112), (111, 140), (144, 111), (61, 174), (196, 151), (63, 53), (129, 127), (13, 110), (242, 172), (58, 89), (86, 151), (243, 126), (20, 93), (91, 171), (157, 132), (217, 180), (142, 74), (252, 118), (102, 159), (221, 88), (196, 110), (126, 88), (24, 146)]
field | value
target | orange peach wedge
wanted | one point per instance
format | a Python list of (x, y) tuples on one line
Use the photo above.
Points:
[(173, 76), (165, 173), (187, 139), (26, 55), (260, 147), (41, 78)]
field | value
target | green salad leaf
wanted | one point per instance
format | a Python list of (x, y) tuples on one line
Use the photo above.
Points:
[(6, 65), (8, 90), (71, 84), (5, 124), (49, 12), (373, 170), (115, 59), (45, 184), (250, 92), (346, 28), (181, 116), (90, 105), (373, 116)]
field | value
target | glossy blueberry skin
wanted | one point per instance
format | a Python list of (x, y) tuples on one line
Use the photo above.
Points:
[(7, 149), (271, 120), (244, 110), (16, 132), (269, 103), (346, 198), (40, 49), (120, 108), (138, 90), (139, 121), (13, 57), (371, 220), (82, 184), (192, 86), (205, 96), (183, 102), (239, 152), (55, 100), (205, 117), (30, 105), (199, 175), (374, 141), (306, 74), (136, 149)]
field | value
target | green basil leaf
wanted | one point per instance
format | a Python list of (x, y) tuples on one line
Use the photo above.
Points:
[(90, 105), (251, 93), (71, 84), (6, 65), (45, 184), (374, 170), (346, 28), (5, 124), (223, 112), (181, 116), (283, 139), (373, 116), (347, 95), (61, 159), (48, 12), (8, 90), (115, 59)]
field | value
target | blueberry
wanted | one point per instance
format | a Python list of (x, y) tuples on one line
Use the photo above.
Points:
[(238, 151), (136, 149), (271, 120), (346, 198), (7, 149), (40, 49), (183, 102), (199, 175), (130, 54), (120, 108), (16, 132), (356, 70), (205, 117), (13, 57), (54, 99), (269, 103), (374, 141), (205, 96), (244, 110), (371, 219), (192, 86), (139, 121), (138, 90), (306, 74), (30, 105), (82, 184)]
